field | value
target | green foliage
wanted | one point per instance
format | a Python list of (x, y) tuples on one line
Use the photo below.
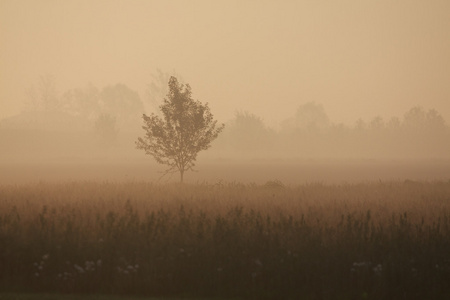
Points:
[(368, 241), (186, 128)]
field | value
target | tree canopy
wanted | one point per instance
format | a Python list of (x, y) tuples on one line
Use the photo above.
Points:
[(185, 128)]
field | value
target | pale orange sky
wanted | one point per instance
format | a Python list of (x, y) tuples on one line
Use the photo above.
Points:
[(357, 58)]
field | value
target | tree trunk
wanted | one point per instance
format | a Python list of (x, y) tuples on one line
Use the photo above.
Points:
[(181, 175)]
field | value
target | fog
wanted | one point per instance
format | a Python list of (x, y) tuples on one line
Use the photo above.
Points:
[(307, 90)]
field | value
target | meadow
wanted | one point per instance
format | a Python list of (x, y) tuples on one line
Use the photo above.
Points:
[(371, 240)]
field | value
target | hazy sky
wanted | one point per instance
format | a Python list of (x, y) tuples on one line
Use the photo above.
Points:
[(357, 58)]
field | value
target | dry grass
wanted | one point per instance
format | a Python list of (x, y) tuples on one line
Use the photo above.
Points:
[(375, 240)]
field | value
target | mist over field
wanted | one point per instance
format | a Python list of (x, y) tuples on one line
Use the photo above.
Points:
[(90, 134), (253, 149), (55, 145), (304, 89)]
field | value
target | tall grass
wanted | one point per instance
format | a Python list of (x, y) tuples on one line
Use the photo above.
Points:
[(360, 241)]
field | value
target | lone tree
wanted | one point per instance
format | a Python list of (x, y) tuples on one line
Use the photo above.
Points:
[(185, 128)]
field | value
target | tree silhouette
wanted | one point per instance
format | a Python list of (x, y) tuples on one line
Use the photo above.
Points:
[(248, 133), (45, 98), (158, 88), (123, 103), (185, 128), (309, 116), (106, 130)]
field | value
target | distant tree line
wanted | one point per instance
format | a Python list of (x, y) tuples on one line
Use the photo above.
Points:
[(104, 111), (309, 133)]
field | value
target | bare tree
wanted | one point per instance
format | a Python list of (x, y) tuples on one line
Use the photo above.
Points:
[(157, 89), (185, 128), (45, 98), (82, 102)]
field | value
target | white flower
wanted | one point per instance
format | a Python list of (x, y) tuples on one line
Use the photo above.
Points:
[(378, 268), (362, 264), (78, 268), (45, 256), (258, 262), (36, 274), (99, 262), (89, 266)]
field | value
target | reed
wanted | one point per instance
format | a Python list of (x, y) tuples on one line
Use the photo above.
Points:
[(357, 241)]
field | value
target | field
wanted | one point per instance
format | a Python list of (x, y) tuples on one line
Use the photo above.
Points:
[(45, 296), (291, 171), (371, 240)]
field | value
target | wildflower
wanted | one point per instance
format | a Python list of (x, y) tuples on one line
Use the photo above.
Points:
[(66, 275), (378, 269), (362, 264), (258, 262), (78, 268), (90, 264), (99, 262), (36, 274), (219, 269), (129, 269), (45, 256)]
